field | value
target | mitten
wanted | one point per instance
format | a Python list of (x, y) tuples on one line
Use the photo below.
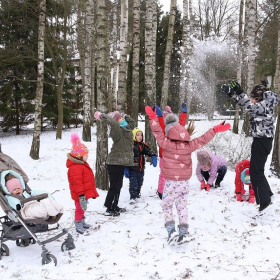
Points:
[(202, 186), (168, 109), (235, 86), (221, 127), (154, 161), (126, 173), (157, 110), (207, 187), (152, 115), (83, 202), (97, 115), (184, 107)]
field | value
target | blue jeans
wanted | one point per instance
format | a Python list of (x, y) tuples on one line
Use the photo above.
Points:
[(136, 179)]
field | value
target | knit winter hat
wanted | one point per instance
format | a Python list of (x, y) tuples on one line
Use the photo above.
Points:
[(203, 158), (134, 132), (13, 184), (116, 115), (78, 149), (170, 120), (258, 90), (245, 176), (167, 111)]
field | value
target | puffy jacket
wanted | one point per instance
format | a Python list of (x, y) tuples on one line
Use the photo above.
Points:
[(177, 148), (122, 149), (182, 121), (81, 178), (261, 114), (216, 163), (239, 185), (140, 149)]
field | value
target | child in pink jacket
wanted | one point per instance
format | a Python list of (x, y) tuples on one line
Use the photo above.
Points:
[(177, 168)]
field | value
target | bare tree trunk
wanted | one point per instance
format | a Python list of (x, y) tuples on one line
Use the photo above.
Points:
[(87, 92), (135, 60), (184, 78), (102, 68), (275, 161), (168, 52), (35, 147), (150, 65), (123, 56), (239, 64)]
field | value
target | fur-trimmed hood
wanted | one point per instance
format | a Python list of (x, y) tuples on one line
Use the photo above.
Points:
[(175, 131)]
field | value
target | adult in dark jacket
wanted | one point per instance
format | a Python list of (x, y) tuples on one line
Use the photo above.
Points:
[(260, 107), (120, 156), (136, 173)]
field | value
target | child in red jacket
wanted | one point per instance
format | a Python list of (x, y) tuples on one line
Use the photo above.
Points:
[(242, 177), (81, 181)]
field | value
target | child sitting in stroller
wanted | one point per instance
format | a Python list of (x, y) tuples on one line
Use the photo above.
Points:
[(14, 188)]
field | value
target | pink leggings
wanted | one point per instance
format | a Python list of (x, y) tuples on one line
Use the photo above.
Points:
[(79, 212), (161, 179), (177, 191)]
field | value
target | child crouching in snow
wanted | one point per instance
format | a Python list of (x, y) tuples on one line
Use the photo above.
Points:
[(177, 168), (242, 177), (81, 181)]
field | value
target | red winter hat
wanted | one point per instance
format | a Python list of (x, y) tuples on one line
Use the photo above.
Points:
[(13, 184), (78, 149)]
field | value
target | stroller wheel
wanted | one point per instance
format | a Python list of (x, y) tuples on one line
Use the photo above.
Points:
[(67, 246), (32, 240), (4, 250), (48, 259), (23, 242)]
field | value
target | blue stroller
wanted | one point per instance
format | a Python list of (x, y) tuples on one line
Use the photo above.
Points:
[(15, 228)]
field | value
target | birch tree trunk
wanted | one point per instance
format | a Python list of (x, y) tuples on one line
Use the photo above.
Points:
[(186, 49), (87, 92), (35, 147), (168, 52), (102, 68), (150, 65), (123, 56), (239, 64), (135, 60), (275, 161)]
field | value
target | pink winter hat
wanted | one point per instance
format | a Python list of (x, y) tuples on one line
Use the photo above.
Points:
[(167, 111), (116, 115), (78, 149), (13, 184), (203, 158)]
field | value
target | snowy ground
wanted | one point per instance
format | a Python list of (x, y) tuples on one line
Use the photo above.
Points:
[(227, 241)]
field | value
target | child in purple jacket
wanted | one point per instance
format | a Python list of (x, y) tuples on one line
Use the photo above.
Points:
[(210, 168)]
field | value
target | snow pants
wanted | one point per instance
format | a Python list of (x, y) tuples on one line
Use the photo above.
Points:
[(116, 182), (136, 179), (79, 212), (175, 191), (261, 148), (221, 172), (161, 179)]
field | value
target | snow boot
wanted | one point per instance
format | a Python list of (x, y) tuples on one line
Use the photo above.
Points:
[(183, 234), (239, 197), (120, 210), (79, 227), (111, 212), (159, 195), (85, 225), (172, 234)]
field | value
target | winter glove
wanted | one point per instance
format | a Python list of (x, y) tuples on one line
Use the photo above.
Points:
[(202, 186), (207, 187), (126, 173), (168, 109), (221, 127), (97, 115), (152, 115), (157, 110), (184, 107), (154, 161), (235, 86), (83, 202)]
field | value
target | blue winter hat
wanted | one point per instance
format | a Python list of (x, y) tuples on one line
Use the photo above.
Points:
[(245, 176)]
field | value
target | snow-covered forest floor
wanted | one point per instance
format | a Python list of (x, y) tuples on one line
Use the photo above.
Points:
[(228, 241)]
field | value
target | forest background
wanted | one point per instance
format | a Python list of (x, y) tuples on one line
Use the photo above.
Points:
[(60, 60)]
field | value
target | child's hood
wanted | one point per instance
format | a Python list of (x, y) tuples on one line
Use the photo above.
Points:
[(134, 132), (73, 161), (271, 97)]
